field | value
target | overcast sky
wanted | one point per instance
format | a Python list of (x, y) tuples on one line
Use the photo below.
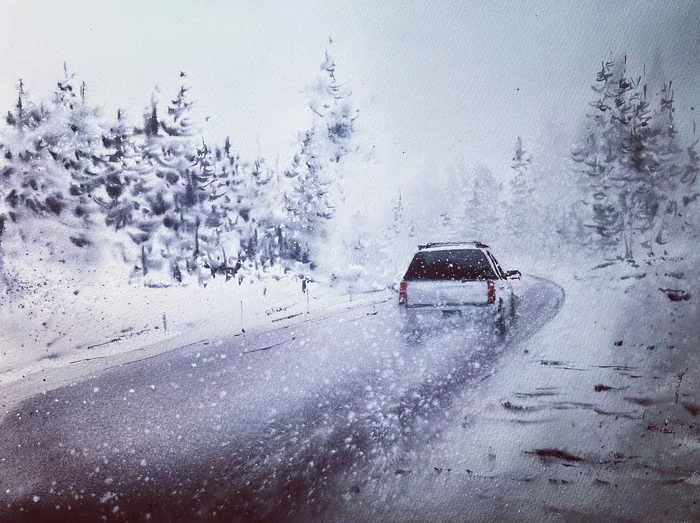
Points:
[(436, 82)]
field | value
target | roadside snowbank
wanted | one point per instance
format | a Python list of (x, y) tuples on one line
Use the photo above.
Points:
[(59, 307)]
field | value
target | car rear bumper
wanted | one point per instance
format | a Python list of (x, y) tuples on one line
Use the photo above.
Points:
[(431, 314)]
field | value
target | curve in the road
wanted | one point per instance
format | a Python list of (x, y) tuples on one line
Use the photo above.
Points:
[(177, 455)]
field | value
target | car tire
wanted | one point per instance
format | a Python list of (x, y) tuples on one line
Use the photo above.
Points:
[(408, 327), (499, 322)]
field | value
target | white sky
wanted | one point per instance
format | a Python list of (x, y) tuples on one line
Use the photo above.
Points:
[(436, 82)]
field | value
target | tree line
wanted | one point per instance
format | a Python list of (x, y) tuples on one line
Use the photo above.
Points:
[(177, 204), (180, 206), (627, 191)]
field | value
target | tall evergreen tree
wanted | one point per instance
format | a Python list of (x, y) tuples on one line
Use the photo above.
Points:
[(74, 137), (334, 111), (222, 218), (176, 186), (521, 210), (318, 169), (119, 161), (151, 199), (629, 162), (309, 205), (29, 184)]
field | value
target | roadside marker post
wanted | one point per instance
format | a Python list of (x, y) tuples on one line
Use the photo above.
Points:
[(242, 328)]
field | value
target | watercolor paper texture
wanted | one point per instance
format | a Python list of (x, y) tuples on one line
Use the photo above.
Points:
[(208, 211)]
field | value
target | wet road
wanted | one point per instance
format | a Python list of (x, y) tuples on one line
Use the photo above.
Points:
[(249, 428)]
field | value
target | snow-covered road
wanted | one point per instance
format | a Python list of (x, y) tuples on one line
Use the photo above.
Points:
[(259, 426)]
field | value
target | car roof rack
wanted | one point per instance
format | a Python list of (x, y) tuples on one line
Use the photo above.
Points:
[(479, 245)]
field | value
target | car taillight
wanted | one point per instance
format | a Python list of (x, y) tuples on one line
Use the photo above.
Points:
[(403, 293), (491, 296)]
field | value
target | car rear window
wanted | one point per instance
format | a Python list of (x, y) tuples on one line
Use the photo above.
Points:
[(457, 264)]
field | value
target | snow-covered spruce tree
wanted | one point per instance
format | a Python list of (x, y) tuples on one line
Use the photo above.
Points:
[(212, 194), (245, 197), (309, 204), (178, 187), (680, 176), (270, 216), (521, 212), (600, 154), (689, 222), (29, 184), (73, 137), (650, 173), (161, 226), (53, 168), (266, 217), (481, 200), (151, 199), (318, 170), (334, 113), (221, 211), (119, 162), (629, 163)]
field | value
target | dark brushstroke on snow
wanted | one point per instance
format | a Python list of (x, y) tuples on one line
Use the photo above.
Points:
[(556, 454), (676, 294)]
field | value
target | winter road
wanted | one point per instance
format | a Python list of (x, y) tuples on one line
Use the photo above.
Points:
[(256, 427)]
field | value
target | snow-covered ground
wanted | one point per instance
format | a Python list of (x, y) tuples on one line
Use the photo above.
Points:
[(59, 317), (588, 411), (593, 418)]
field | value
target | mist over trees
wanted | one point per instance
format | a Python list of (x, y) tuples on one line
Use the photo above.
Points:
[(628, 193), (176, 207)]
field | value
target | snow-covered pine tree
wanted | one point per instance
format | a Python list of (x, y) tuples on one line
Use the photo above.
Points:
[(601, 158), (677, 173), (207, 189), (309, 206), (271, 216), (119, 161), (690, 173), (242, 222), (221, 209), (690, 199), (631, 164), (482, 207), (318, 169), (649, 171), (335, 113), (73, 136), (178, 188), (264, 238), (521, 212), (29, 183), (292, 244), (151, 200), (154, 220)]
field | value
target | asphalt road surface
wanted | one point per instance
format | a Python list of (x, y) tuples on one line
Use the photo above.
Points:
[(253, 428)]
